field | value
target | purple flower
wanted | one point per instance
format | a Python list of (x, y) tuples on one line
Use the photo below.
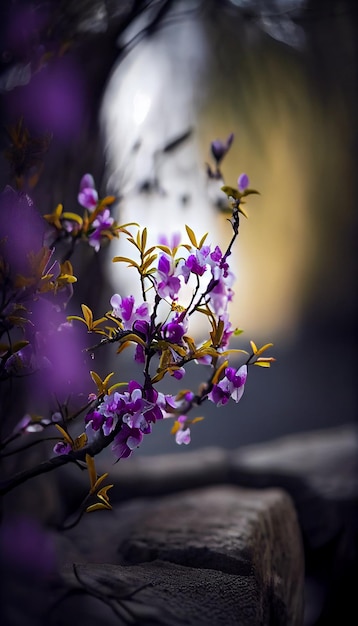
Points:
[(171, 243), (61, 447), (183, 434), (102, 222), (232, 385), (179, 373), (88, 196), (94, 419), (243, 182), (197, 262), (126, 440), (220, 148), (168, 284), (125, 309), (173, 332)]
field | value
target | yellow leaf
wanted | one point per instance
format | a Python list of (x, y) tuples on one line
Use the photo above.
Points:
[(88, 315), (149, 251), (91, 471), (103, 492), (215, 379), (116, 386), (164, 249), (80, 442), (191, 236), (144, 239), (253, 346), (123, 346), (73, 216), (262, 363), (196, 419), (264, 348), (202, 240), (125, 259), (97, 380), (65, 435), (107, 379), (99, 481), (97, 507), (176, 426), (77, 318), (135, 338)]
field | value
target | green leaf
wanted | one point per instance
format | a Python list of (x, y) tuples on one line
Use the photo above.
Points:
[(231, 192)]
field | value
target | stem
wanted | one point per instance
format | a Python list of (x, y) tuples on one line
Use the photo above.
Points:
[(101, 442)]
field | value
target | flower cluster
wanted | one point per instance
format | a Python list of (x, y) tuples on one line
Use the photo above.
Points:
[(178, 279), (95, 226), (159, 327)]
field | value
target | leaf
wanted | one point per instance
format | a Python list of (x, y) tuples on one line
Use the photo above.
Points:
[(149, 251), (144, 239), (80, 442), (262, 363), (88, 315), (217, 375), (253, 346), (231, 192), (147, 263), (125, 259), (99, 481), (191, 236), (97, 380), (249, 192), (97, 507), (18, 346), (73, 217), (116, 386), (164, 249), (65, 435), (202, 240), (135, 339), (174, 429), (196, 419), (91, 470), (241, 210)]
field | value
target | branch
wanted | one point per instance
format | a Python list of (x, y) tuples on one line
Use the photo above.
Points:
[(75, 456)]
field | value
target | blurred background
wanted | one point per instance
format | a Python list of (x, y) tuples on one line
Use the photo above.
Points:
[(134, 92)]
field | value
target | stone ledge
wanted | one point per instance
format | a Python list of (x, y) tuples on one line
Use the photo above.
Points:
[(245, 542)]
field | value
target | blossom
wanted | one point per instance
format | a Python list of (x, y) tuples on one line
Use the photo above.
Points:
[(183, 434), (231, 385), (176, 328), (168, 283), (243, 182), (171, 243), (221, 294), (220, 148), (125, 309), (94, 419), (126, 440), (196, 263), (88, 195), (102, 222), (62, 447)]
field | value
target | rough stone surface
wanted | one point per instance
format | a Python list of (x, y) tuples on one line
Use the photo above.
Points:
[(232, 555), (212, 535)]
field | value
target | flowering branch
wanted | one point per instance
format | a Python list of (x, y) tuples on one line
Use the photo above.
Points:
[(158, 327)]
